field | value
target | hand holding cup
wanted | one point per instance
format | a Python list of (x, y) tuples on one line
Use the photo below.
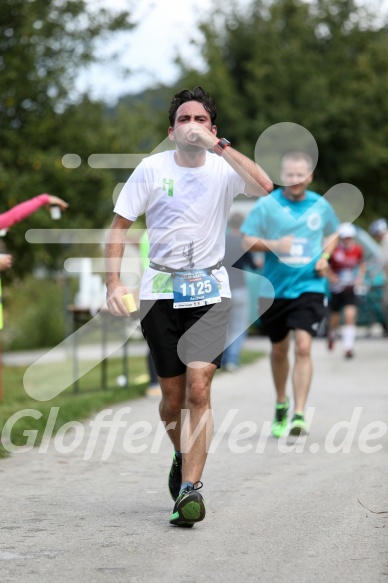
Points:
[(129, 303)]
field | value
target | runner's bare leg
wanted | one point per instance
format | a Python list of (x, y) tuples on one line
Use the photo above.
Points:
[(171, 405), (303, 369), (195, 400), (280, 367)]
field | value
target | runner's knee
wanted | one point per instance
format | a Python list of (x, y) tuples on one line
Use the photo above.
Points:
[(198, 395)]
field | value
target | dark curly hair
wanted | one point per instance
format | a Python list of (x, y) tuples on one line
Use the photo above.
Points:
[(197, 94)]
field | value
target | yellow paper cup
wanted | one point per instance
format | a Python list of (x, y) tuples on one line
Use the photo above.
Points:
[(129, 302)]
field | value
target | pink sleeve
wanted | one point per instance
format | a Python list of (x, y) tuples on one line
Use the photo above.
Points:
[(22, 210)]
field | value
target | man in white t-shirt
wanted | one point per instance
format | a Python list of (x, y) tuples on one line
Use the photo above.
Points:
[(186, 195)]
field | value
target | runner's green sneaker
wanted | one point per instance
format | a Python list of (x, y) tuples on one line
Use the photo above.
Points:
[(175, 477), (279, 424), (298, 425), (189, 507)]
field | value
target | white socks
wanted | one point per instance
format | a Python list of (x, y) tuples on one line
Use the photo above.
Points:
[(348, 337)]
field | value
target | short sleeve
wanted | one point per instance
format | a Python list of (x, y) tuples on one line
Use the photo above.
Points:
[(133, 198)]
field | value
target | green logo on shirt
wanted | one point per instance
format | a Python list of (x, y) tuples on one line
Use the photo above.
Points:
[(162, 284), (168, 184)]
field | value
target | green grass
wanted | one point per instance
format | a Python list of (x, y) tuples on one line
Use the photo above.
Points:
[(90, 398), (249, 356), (73, 407)]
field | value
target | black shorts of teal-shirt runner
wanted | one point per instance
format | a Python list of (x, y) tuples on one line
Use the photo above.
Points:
[(305, 312), (179, 337)]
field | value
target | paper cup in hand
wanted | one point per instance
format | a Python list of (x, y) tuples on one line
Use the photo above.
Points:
[(55, 212), (129, 302)]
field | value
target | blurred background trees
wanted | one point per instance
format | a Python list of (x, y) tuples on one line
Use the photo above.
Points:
[(43, 45), (321, 64)]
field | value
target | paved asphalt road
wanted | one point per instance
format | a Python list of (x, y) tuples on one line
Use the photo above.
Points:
[(315, 511)]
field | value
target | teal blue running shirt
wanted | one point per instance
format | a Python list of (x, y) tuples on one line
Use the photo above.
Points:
[(309, 221)]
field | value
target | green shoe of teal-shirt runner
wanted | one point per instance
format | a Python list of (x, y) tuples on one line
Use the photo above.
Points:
[(279, 424), (298, 425)]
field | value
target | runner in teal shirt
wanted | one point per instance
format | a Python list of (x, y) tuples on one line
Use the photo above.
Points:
[(296, 229), (309, 221)]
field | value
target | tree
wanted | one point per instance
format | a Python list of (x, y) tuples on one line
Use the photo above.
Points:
[(320, 64), (42, 45)]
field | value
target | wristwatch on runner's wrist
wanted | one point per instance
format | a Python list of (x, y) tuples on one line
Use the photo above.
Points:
[(220, 146)]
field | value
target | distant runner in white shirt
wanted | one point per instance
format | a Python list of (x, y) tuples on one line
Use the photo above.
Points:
[(186, 195)]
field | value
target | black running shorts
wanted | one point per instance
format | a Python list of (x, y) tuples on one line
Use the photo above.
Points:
[(339, 300), (303, 313), (177, 337)]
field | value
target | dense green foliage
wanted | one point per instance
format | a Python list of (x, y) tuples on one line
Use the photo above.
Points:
[(43, 45), (322, 65), (34, 319)]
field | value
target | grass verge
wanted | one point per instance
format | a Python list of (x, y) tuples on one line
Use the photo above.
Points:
[(72, 407)]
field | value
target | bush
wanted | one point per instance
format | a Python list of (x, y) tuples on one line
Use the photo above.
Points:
[(34, 313)]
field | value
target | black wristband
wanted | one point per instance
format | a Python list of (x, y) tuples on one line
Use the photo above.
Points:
[(220, 146)]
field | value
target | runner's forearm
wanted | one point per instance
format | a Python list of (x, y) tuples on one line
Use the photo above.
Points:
[(114, 249), (330, 243), (256, 180)]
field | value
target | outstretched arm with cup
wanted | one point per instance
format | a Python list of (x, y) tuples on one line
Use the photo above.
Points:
[(27, 208)]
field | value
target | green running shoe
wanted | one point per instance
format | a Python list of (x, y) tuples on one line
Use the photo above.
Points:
[(175, 477), (279, 424), (298, 425), (189, 507)]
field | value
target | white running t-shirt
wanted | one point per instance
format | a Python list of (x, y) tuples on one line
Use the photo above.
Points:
[(186, 215)]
